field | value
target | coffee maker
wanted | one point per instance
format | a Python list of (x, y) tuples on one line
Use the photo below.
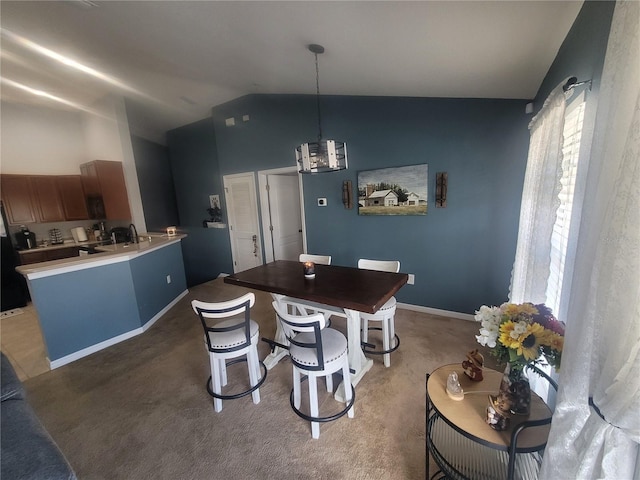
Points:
[(25, 239)]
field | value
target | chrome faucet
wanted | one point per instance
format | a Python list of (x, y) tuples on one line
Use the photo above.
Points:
[(133, 233)]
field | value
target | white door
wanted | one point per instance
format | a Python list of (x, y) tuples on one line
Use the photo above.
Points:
[(284, 203), (242, 212)]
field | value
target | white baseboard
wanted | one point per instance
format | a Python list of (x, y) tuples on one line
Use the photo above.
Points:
[(157, 316), (112, 341), (436, 311)]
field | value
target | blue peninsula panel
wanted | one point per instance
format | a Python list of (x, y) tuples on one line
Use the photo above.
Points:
[(90, 303), (157, 280), (83, 308)]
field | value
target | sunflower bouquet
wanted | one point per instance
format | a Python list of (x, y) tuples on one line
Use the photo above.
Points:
[(521, 334)]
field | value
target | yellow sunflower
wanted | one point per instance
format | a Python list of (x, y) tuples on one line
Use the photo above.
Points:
[(554, 341), (514, 309), (527, 343)]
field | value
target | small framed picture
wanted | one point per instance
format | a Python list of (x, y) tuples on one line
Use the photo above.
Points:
[(214, 201)]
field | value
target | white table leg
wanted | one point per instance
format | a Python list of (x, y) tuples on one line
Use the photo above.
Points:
[(278, 353), (357, 360)]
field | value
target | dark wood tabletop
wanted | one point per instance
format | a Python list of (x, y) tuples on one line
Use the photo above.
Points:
[(345, 287)]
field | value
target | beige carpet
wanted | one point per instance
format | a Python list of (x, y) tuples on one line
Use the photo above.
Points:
[(140, 409)]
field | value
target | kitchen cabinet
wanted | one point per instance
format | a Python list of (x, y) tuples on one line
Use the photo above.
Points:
[(104, 187), (72, 197), (18, 199), (47, 198), (33, 257), (36, 256), (43, 198)]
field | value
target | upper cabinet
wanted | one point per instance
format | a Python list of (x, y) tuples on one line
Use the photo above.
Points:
[(47, 199), (72, 196), (99, 192), (43, 198), (18, 199), (105, 189)]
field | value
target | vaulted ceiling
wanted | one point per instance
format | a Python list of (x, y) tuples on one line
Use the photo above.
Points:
[(175, 60)]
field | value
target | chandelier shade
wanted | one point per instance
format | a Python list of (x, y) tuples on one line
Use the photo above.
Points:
[(322, 155)]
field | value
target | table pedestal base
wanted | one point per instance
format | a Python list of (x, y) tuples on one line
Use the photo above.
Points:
[(272, 359)]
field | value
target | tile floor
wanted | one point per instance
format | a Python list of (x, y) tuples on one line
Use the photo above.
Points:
[(21, 341)]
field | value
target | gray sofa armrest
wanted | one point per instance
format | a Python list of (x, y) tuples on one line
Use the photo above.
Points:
[(27, 451), (10, 384)]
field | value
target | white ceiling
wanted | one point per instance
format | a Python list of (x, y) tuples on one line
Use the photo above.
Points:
[(174, 60)]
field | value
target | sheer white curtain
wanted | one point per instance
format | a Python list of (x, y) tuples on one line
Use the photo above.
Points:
[(540, 202), (601, 356)]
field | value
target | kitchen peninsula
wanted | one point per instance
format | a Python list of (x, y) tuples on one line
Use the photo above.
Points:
[(91, 302)]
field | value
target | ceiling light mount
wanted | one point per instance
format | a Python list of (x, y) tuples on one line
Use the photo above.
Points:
[(323, 155)]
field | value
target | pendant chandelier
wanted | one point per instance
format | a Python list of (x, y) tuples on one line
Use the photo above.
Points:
[(323, 155)]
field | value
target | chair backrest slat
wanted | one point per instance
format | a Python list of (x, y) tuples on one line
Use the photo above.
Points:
[(380, 265), (229, 308), (319, 259), (294, 324)]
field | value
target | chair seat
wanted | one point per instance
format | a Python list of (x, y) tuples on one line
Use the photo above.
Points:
[(334, 346), (234, 337)]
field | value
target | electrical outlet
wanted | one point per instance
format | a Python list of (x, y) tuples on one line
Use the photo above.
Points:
[(168, 278), (412, 279), (322, 202)]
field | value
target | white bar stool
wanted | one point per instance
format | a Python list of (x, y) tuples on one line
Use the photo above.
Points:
[(231, 339)]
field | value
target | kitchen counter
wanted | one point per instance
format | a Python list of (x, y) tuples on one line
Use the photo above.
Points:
[(109, 254), (88, 303), (59, 246)]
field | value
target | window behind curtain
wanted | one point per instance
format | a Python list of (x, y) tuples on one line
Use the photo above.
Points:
[(572, 133)]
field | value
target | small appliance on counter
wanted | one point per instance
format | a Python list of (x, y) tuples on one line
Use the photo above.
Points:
[(120, 235), (25, 238), (79, 234), (55, 236)]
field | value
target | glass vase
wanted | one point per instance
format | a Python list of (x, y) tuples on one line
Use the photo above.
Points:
[(514, 395)]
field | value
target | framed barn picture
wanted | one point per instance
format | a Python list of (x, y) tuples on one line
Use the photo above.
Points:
[(393, 191)]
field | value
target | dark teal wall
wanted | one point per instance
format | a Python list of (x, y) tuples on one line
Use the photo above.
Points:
[(461, 255), (194, 165), (156, 184), (582, 52)]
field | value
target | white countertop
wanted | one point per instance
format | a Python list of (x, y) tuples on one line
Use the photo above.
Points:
[(120, 252), (58, 246)]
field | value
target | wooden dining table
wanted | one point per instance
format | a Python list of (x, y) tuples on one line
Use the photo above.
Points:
[(335, 290)]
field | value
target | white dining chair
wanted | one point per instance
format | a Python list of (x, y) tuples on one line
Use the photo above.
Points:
[(231, 339), (385, 315), (315, 351), (319, 259)]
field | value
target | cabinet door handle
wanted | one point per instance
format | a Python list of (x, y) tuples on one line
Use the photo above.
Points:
[(255, 245)]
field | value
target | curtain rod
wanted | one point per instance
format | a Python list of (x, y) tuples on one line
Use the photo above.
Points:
[(573, 82)]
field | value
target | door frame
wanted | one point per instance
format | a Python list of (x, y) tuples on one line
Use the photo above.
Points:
[(231, 234), (265, 213)]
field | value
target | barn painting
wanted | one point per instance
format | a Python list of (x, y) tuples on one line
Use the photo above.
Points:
[(393, 191)]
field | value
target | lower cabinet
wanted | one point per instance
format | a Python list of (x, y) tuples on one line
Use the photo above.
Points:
[(38, 256)]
